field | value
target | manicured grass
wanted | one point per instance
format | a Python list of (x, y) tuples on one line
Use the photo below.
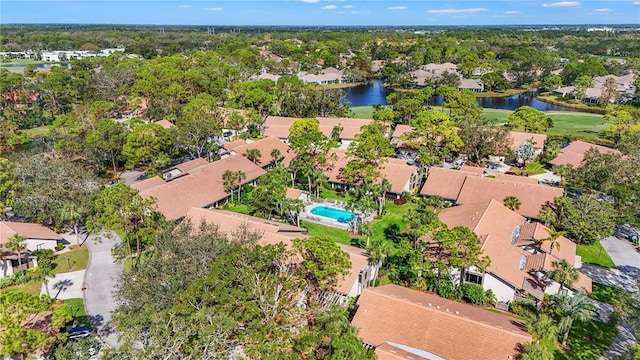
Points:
[(500, 115), (362, 112), (337, 235), (580, 125), (505, 93), (605, 293), (535, 168), (595, 254), (393, 216), (332, 194), (75, 308), (588, 340), (33, 287), (73, 260), (238, 208)]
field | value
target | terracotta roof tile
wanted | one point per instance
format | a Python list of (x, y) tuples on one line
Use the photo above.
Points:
[(279, 126), (148, 183), (165, 124), (191, 164), (573, 154), (445, 182), (233, 144), (516, 178), (448, 329), (293, 193), (200, 187), (518, 138), (266, 146), (532, 197), (29, 230), (396, 171)]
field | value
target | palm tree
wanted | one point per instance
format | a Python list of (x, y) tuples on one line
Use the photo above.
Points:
[(563, 171), (512, 203), (45, 268), (276, 156), (228, 180), (534, 351), (552, 238), (547, 216), (376, 250), (16, 244), (541, 327), (564, 274), (367, 230), (253, 155), (577, 307), (72, 213), (240, 176)]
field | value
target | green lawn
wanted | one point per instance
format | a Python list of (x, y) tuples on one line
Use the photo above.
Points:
[(337, 235), (32, 287), (588, 341), (238, 208), (581, 125), (332, 194), (75, 308), (605, 293), (73, 260), (362, 112), (393, 216), (535, 168), (595, 254)]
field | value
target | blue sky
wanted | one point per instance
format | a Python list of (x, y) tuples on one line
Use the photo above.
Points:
[(321, 12)]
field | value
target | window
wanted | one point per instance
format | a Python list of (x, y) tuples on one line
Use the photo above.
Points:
[(40, 247), (473, 278)]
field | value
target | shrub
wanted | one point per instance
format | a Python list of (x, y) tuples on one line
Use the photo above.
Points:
[(400, 201), (523, 309), (474, 293)]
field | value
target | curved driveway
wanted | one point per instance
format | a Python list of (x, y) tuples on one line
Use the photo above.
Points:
[(100, 280)]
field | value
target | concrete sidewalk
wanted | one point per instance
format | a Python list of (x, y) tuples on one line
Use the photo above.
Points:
[(66, 285)]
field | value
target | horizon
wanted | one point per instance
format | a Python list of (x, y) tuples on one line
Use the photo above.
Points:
[(321, 13)]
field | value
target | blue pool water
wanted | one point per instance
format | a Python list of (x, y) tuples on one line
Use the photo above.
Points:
[(340, 216)]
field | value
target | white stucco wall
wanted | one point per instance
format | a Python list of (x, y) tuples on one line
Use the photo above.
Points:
[(32, 244), (6, 269), (553, 288), (502, 291)]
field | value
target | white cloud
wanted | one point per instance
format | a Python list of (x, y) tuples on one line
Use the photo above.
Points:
[(348, 6), (562, 4), (397, 8), (328, 7), (184, 6), (636, 3), (603, 10), (513, 12), (213, 9), (310, 1), (456, 11)]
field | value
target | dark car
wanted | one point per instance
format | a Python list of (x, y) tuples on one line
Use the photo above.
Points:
[(509, 173), (79, 332)]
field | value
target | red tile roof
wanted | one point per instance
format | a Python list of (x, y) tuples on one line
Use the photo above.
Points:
[(396, 171), (279, 126), (201, 187), (29, 230), (445, 182), (266, 146), (518, 138), (444, 328), (573, 154)]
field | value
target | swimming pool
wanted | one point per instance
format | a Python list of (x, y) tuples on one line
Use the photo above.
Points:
[(338, 215)]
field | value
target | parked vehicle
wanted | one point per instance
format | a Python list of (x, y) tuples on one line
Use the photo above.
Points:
[(79, 332), (627, 232)]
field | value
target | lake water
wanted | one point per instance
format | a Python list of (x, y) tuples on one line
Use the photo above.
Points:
[(374, 93), (20, 67)]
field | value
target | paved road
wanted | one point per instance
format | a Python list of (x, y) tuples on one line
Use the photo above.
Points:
[(101, 276), (621, 252)]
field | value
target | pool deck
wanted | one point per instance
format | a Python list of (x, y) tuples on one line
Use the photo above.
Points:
[(308, 216)]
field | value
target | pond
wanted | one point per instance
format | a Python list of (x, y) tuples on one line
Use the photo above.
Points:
[(373, 92), (20, 67)]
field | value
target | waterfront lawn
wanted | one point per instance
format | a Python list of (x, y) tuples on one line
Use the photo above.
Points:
[(73, 260), (579, 125), (362, 112), (595, 254)]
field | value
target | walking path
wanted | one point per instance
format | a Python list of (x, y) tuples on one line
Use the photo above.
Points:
[(100, 281)]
